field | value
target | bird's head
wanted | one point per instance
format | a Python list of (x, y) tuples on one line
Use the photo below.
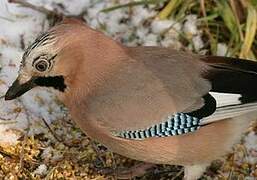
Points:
[(46, 61)]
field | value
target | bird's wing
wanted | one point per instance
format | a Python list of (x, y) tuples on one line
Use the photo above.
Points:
[(233, 82), (163, 92)]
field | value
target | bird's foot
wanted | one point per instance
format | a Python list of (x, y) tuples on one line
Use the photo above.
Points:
[(128, 173)]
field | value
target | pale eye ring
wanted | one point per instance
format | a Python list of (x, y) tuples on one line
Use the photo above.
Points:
[(42, 65)]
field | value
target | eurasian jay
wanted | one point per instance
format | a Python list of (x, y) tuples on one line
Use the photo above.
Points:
[(152, 104)]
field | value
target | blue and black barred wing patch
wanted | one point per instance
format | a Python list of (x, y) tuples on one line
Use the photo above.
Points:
[(176, 124)]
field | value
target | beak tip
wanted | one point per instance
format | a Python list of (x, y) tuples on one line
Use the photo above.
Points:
[(17, 89), (8, 96)]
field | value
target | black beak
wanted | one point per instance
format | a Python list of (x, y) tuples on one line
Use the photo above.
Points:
[(17, 89)]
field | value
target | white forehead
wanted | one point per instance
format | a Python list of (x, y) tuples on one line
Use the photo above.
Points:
[(42, 45)]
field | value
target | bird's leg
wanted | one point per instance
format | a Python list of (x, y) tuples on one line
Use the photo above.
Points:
[(128, 173)]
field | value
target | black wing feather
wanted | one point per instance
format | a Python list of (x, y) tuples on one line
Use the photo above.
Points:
[(231, 75)]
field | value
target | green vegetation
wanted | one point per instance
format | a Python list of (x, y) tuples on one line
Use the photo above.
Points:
[(233, 22)]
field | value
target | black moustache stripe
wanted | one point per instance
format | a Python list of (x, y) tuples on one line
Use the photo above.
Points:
[(57, 82)]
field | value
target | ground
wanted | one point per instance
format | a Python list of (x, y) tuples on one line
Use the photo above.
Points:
[(32, 126)]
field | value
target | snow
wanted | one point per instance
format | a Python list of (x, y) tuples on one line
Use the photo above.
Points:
[(222, 49), (161, 26), (41, 170), (190, 26), (251, 144), (192, 32), (151, 40), (198, 42), (47, 153)]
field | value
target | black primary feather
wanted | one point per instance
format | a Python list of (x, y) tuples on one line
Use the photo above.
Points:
[(232, 75)]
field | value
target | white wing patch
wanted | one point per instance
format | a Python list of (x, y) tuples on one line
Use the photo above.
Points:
[(226, 99), (228, 106)]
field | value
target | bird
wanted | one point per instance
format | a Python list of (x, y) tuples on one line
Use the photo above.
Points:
[(153, 104)]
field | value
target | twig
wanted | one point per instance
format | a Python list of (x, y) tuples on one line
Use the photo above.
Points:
[(22, 155), (131, 4), (14, 157), (36, 8), (51, 131), (9, 155), (7, 19), (202, 4), (52, 16), (28, 173), (114, 165), (22, 43), (178, 174), (5, 119), (9, 119), (50, 173), (26, 134), (55, 135), (8, 122)]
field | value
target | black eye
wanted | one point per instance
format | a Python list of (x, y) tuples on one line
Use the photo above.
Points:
[(41, 65)]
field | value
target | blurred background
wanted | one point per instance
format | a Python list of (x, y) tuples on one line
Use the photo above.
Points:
[(37, 137)]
